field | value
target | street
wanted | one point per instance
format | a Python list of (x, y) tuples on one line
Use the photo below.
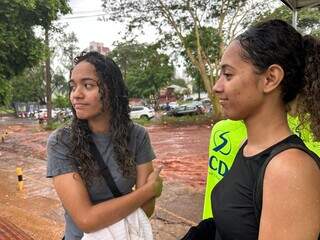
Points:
[(36, 209)]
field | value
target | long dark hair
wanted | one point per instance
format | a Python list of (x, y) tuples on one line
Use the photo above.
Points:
[(114, 98), (277, 42)]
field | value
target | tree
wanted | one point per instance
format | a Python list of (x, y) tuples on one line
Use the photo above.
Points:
[(49, 11), (20, 48), (126, 54), (65, 48), (59, 84), (147, 70), (308, 18), (5, 93), (179, 82), (61, 101), (210, 41), (29, 86), (176, 19)]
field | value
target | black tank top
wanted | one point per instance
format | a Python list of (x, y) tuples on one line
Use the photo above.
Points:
[(232, 198)]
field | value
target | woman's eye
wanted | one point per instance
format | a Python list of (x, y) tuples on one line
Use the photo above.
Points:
[(72, 87), (227, 75), (89, 86)]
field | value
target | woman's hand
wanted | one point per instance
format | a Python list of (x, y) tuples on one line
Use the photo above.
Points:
[(155, 180)]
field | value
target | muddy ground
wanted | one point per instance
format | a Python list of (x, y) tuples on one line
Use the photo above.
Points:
[(36, 209)]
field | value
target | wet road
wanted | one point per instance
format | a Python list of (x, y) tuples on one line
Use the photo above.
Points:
[(37, 210)]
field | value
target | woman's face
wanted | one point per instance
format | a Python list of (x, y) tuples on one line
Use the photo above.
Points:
[(239, 87), (84, 94)]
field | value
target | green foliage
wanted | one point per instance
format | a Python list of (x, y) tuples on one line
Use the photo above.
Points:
[(197, 84), (144, 122), (29, 86), (6, 110), (52, 125), (126, 54), (20, 48), (59, 83), (64, 47), (205, 119), (188, 25), (210, 40), (47, 11), (179, 82), (61, 101), (145, 70), (5, 93), (308, 18)]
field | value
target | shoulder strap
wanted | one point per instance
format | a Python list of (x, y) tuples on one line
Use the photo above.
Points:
[(258, 189), (104, 170)]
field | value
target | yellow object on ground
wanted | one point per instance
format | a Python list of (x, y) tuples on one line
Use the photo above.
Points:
[(20, 178)]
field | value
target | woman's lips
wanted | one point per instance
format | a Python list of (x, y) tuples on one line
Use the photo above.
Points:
[(223, 100), (79, 106)]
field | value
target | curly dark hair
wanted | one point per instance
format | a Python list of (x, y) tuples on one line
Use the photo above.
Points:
[(114, 98), (277, 42)]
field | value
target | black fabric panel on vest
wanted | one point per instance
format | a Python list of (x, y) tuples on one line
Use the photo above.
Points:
[(233, 197)]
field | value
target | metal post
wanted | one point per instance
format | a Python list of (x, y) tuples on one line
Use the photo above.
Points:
[(295, 18)]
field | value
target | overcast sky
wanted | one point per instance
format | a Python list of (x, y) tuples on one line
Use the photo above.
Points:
[(89, 29)]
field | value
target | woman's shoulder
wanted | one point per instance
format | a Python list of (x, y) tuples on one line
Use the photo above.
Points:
[(138, 129), (60, 135), (292, 164)]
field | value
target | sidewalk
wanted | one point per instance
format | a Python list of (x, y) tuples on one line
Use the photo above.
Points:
[(178, 208)]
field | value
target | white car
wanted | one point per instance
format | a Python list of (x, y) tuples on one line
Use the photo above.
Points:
[(41, 114), (141, 112)]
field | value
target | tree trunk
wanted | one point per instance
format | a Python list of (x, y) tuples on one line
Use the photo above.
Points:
[(48, 77)]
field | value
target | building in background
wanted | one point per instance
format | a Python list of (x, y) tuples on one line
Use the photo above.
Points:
[(99, 47)]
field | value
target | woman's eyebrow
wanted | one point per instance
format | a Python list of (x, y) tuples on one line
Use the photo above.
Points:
[(224, 66), (84, 79)]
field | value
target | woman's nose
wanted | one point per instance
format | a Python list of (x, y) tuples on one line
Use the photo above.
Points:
[(218, 86), (77, 92)]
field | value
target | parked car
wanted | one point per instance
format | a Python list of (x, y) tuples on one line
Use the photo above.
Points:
[(41, 114), (63, 115), (173, 105), (182, 110), (141, 112)]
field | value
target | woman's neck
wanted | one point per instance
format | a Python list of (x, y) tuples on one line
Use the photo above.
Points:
[(266, 129), (100, 124)]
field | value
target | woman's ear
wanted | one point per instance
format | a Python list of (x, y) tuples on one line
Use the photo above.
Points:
[(273, 77)]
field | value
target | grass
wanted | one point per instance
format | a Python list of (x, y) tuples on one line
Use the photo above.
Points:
[(205, 119), (6, 110), (54, 124)]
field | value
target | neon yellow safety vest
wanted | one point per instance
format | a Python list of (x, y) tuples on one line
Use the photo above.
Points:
[(225, 141)]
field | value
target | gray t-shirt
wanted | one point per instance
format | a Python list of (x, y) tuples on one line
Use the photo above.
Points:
[(59, 162)]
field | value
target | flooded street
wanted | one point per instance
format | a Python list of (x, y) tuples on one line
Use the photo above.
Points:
[(36, 210)]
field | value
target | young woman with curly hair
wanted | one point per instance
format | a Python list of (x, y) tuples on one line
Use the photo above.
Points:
[(100, 106)]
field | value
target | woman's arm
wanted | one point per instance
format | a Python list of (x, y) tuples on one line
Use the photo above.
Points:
[(291, 198), (88, 217), (143, 171)]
